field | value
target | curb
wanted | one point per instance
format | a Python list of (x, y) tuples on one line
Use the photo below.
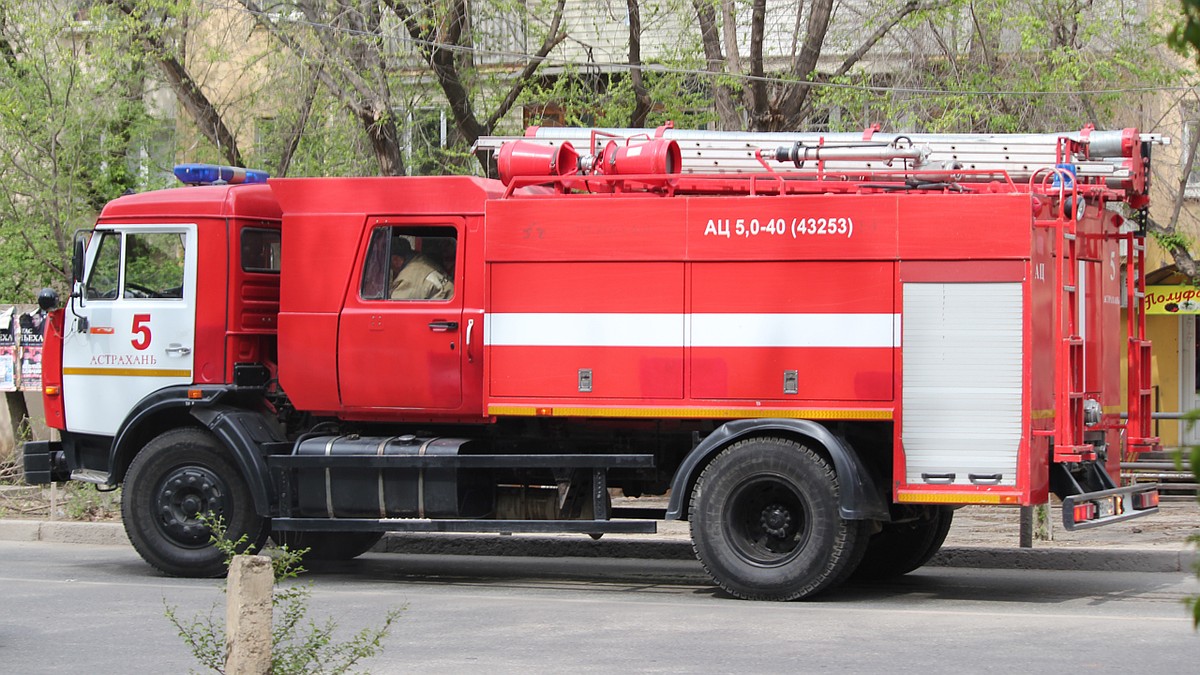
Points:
[(1069, 559), (63, 532), (576, 546)]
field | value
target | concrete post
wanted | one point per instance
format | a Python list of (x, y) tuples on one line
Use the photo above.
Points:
[(1026, 532), (248, 616)]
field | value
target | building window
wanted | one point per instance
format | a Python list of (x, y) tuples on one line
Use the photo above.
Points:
[(1191, 127), (425, 139)]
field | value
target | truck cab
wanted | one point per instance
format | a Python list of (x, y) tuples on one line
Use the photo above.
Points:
[(181, 289)]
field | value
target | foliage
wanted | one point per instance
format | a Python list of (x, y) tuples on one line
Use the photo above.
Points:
[(1172, 240), (593, 100), (67, 132), (298, 644), (84, 501), (1184, 36), (1010, 66)]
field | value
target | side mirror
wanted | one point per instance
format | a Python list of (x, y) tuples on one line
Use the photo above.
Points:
[(48, 299), (77, 258)]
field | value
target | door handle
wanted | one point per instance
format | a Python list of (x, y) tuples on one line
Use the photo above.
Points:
[(176, 349), (470, 328), (443, 326)]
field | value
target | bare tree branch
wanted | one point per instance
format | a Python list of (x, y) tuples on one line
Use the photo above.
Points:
[(641, 102), (204, 114), (554, 36), (297, 131), (371, 105), (435, 40), (793, 96), (909, 7)]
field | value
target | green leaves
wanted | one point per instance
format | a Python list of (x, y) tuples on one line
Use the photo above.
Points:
[(299, 644), (69, 133), (1021, 66)]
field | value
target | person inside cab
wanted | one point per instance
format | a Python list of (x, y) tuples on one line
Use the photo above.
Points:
[(417, 277)]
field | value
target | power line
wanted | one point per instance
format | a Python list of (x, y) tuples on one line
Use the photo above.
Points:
[(272, 17)]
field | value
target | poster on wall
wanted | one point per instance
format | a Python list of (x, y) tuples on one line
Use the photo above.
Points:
[(1172, 300), (31, 337), (8, 350)]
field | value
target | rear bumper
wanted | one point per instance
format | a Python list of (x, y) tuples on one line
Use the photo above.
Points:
[(1104, 507), (44, 462)]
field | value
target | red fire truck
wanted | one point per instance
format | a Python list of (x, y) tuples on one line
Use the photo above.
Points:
[(817, 346)]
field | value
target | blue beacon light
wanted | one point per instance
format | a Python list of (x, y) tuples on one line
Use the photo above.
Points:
[(213, 174)]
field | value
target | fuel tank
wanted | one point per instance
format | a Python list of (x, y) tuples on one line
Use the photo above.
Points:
[(391, 493)]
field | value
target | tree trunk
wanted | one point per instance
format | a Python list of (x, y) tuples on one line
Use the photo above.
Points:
[(723, 95), (804, 66), (642, 103), (203, 113)]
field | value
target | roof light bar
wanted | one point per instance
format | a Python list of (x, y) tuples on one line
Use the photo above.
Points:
[(214, 174)]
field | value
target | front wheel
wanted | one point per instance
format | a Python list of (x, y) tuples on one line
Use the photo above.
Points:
[(178, 478), (766, 524)]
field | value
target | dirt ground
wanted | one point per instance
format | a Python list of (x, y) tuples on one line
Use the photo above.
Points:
[(1001, 526), (72, 501)]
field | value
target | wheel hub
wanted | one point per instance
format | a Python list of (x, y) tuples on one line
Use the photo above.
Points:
[(184, 496), (765, 520), (776, 520)]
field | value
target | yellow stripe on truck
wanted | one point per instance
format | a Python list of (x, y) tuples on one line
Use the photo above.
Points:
[(906, 497), (731, 413), (128, 372)]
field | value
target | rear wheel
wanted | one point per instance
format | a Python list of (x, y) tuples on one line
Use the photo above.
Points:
[(900, 548), (177, 478), (329, 545), (766, 523)]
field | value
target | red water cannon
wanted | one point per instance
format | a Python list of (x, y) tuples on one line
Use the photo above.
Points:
[(530, 158), (655, 157), (648, 160)]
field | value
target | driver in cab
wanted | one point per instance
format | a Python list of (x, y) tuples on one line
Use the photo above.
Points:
[(416, 277)]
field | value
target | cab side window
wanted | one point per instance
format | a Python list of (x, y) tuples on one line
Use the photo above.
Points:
[(407, 263), (106, 268), (153, 266), (260, 250)]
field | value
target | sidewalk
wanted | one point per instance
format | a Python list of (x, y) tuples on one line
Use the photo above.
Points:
[(981, 537)]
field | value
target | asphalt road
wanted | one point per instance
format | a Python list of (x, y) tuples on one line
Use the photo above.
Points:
[(100, 609)]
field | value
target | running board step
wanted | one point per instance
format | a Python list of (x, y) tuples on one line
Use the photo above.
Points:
[(1104, 507), (463, 525)]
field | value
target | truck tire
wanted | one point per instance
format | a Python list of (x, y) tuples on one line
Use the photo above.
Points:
[(328, 545), (177, 477), (766, 525), (900, 548)]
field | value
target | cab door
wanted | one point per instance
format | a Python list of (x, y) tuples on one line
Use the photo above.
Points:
[(132, 330), (401, 338)]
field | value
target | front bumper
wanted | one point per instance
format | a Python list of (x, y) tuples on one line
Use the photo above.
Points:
[(45, 462)]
